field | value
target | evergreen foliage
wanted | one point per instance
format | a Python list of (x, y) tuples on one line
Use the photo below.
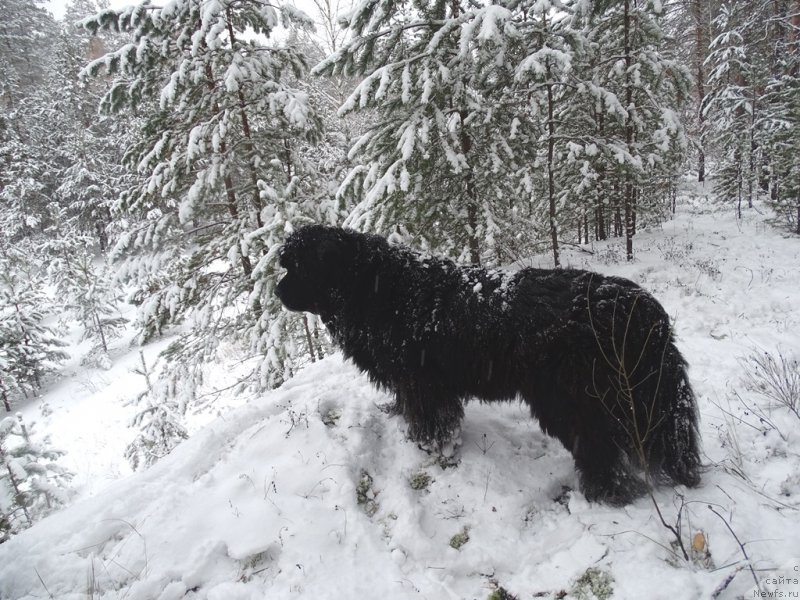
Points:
[(737, 81), (489, 114), (85, 289), (90, 145), (160, 419), (24, 44), (435, 166), (754, 77), (56, 156), (28, 348), (222, 171), (638, 92), (32, 484)]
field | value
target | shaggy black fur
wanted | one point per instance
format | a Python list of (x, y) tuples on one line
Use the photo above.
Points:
[(592, 356)]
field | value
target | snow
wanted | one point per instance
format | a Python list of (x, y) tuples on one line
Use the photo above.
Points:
[(405, 81), (295, 107), (313, 491), (494, 19)]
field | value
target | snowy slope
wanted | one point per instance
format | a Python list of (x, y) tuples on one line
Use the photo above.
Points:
[(312, 491)]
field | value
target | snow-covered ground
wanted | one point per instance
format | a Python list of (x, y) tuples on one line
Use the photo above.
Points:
[(312, 490)]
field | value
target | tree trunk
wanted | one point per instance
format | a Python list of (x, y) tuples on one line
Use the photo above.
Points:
[(309, 340), (472, 223), (628, 195), (700, 15), (627, 190), (752, 190), (472, 200), (248, 138), (551, 177), (673, 193), (230, 192), (602, 198), (794, 45), (466, 146), (739, 189), (597, 218), (586, 228), (797, 223), (6, 400), (98, 323), (602, 234)]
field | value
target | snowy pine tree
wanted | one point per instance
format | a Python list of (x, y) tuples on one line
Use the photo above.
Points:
[(160, 420), (436, 165), (781, 116), (57, 160), (27, 153), (783, 123), (546, 76), (638, 91), (221, 171), (753, 75), (737, 77), (488, 113), (31, 482), (84, 288), (28, 348), (90, 146), (25, 39)]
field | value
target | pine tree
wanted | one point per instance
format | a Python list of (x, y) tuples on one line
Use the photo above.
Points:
[(436, 165), (739, 73), (784, 148), (26, 180), (32, 484), (638, 91), (24, 43), (547, 76), (481, 105), (781, 116), (90, 146), (221, 173), (160, 420), (54, 153), (83, 287), (28, 348), (689, 30)]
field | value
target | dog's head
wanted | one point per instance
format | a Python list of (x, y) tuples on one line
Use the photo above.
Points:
[(316, 259)]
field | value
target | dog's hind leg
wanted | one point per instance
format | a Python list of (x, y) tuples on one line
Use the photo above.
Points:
[(674, 450), (606, 474)]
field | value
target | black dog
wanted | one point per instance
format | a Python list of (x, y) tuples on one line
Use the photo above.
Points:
[(592, 356)]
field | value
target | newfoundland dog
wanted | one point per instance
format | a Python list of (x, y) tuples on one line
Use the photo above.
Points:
[(592, 356)]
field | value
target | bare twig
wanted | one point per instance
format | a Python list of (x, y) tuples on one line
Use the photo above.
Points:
[(49, 595), (486, 487), (674, 529), (484, 446), (741, 546), (726, 582)]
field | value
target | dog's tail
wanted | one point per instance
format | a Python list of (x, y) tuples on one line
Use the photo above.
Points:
[(675, 447)]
